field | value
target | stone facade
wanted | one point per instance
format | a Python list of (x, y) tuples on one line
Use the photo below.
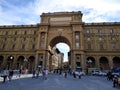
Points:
[(28, 45)]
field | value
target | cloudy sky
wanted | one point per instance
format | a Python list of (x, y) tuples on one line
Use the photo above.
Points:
[(29, 11), (19, 12)]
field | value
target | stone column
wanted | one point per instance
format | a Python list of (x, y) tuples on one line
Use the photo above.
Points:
[(72, 61), (82, 62), (97, 62), (4, 63), (110, 62), (36, 60), (14, 66)]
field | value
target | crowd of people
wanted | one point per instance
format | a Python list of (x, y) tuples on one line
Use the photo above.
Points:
[(114, 78), (8, 74), (65, 73), (37, 72)]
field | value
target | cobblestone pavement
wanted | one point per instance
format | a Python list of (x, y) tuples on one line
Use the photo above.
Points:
[(58, 82)]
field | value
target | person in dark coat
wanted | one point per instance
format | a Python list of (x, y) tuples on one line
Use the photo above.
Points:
[(115, 81), (5, 75), (65, 74), (20, 72), (33, 74), (74, 75), (10, 75)]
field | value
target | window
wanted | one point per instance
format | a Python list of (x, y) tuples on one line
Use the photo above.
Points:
[(111, 30), (42, 45), (23, 46), (100, 39), (13, 47), (3, 47), (87, 31), (15, 32), (76, 45), (88, 39), (40, 63), (99, 31), (101, 46), (78, 64), (34, 32), (113, 46), (6, 33), (113, 38), (77, 36), (77, 57), (33, 46), (89, 46), (25, 32), (41, 56)]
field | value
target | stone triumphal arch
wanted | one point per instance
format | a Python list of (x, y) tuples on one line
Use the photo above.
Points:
[(92, 45), (61, 27)]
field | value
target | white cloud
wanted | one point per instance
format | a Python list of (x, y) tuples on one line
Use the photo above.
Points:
[(16, 14), (64, 48), (28, 13)]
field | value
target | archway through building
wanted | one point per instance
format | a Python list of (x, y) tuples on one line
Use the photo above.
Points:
[(104, 64), (90, 62), (20, 62), (116, 61), (31, 62), (63, 48), (9, 62), (59, 53)]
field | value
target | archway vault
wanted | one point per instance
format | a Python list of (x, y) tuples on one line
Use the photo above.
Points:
[(59, 39)]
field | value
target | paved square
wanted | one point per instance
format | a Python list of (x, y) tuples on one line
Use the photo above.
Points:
[(58, 82)]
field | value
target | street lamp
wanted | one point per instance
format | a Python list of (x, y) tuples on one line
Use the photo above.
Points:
[(89, 62), (11, 57), (10, 62)]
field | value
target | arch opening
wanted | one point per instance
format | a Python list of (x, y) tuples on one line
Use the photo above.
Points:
[(90, 62), (59, 50), (116, 61), (104, 64)]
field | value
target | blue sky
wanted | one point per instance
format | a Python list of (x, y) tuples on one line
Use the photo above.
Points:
[(64, 48), (29, 11), (20, 12)]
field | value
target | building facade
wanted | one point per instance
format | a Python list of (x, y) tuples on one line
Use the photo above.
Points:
[(95, 45)]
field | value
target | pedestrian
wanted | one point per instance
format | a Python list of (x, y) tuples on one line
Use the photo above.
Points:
[(43, 74), (5, 75), (74, 75), (33, 72), (115, 81), (10, 75), (37, 73), (46, 74), (20, 72), (79, 76), (109, 76), (65, 74)]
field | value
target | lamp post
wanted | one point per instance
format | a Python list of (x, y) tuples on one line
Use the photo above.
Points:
[(10, 63), (11, 57), (89, 62)]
